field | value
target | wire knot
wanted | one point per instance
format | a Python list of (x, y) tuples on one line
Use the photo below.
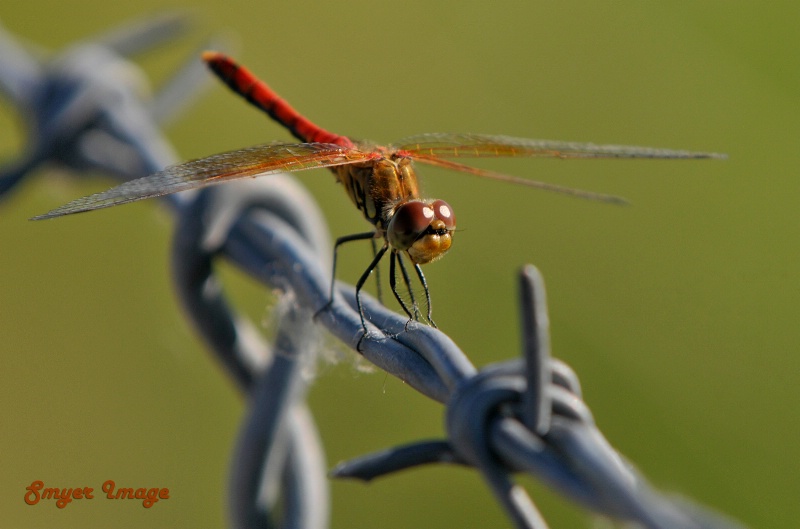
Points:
[(492, 394)]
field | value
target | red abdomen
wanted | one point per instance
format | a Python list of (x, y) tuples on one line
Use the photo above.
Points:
[(258, 93)]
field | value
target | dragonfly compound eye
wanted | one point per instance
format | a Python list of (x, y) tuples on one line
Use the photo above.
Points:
[(423, 230), (409, 222), (444, 212)]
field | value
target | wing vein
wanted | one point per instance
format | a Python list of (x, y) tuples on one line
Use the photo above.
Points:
[(255, 161)]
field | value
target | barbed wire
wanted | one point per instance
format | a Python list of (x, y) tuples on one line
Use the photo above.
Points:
[(519, 416)]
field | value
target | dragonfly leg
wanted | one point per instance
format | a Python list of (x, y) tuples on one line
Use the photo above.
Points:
[(360, 284), (377, 271), (427, 294), (339, 242), (393, 283), (407, 280)]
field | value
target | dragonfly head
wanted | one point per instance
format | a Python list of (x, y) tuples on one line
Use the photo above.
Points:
[(423, 229)]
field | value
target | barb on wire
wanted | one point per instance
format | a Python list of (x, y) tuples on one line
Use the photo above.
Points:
[(86, 108), (523, 415)]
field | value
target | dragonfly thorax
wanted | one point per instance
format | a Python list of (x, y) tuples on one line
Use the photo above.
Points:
[(378, 185), (422, 229)]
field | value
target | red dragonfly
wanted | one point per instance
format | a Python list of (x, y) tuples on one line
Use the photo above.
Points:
[(380, 180)]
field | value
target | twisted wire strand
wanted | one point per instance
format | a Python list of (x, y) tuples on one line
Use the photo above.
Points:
[(485, 409)]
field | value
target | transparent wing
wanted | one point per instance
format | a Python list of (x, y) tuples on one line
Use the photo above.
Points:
[(455, 166), (485, 146), (254, 161)]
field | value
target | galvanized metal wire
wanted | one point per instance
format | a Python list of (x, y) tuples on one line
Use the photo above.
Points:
[(524, 415)]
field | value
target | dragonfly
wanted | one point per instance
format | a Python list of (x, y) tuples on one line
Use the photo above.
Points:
[(381, 181)]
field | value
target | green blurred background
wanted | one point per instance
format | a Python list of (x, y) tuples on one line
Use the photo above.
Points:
[(678, 313)]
